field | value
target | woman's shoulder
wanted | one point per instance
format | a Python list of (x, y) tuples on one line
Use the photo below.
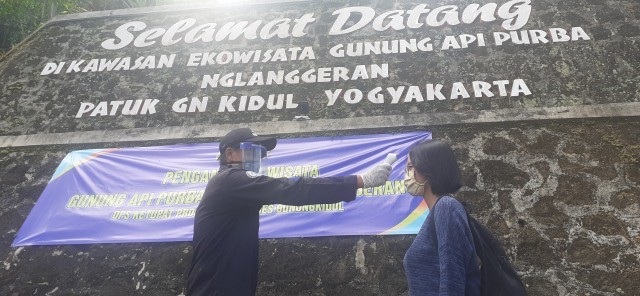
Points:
[(448, 204)]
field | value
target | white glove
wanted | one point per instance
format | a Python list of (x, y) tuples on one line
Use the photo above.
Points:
[(376, 176)]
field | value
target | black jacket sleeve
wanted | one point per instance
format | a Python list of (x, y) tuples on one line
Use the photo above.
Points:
[(246, 188)]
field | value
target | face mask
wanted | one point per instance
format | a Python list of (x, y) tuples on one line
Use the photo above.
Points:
[(252, 154), (413, 187)]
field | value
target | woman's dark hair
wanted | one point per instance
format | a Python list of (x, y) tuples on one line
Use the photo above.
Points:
[(435, 160)]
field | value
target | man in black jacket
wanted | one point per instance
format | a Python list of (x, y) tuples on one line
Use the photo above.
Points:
[(225, 233)]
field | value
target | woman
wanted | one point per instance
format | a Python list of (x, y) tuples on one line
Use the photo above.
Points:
[(442, 258)]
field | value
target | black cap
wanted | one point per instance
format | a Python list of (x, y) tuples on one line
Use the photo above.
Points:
[(236, 136)]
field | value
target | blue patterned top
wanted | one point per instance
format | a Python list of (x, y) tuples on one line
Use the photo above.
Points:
[(451, 267)]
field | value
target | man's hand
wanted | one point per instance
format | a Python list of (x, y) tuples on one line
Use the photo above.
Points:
[(376, 176)]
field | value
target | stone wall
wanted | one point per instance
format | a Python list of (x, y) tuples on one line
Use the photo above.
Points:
[(562, 195), (554, 172), (597, 66)]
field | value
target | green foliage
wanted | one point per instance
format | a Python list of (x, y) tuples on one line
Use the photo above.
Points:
[(17, 19)]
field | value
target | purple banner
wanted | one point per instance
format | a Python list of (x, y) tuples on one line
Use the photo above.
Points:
[(150, 194)]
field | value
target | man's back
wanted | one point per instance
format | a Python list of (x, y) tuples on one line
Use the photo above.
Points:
[(225, 238), (225, 243)]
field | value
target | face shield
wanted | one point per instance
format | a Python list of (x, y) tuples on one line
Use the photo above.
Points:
[(252, 155)]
